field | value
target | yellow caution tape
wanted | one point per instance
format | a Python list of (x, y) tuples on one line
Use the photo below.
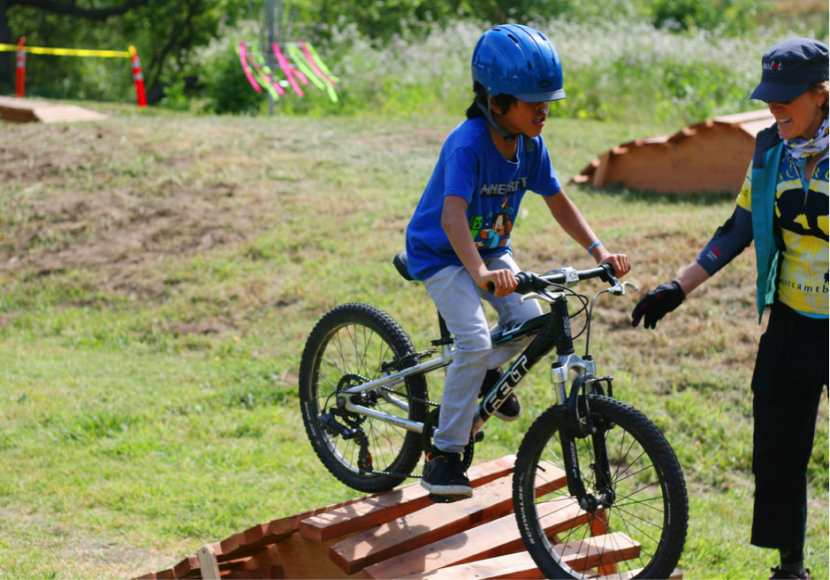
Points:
[(67, 51)]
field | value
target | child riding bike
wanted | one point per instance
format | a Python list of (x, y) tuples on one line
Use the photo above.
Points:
[(458, 241)]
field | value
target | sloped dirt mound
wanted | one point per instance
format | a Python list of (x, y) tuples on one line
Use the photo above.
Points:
[(99, 198)]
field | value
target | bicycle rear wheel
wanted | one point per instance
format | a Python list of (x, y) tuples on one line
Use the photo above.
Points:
[(640, 533), (348, 347)]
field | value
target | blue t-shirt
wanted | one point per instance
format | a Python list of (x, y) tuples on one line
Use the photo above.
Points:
[(472, 168)]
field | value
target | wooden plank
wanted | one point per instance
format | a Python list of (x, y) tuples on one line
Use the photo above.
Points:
[(58, 114), (512, 566), (754, 127), (435, 522), (207, 563), (386, 507), (602, 168), (599, 527), (269, 573), (266, 558), (27, 110), (426, 526), (22, 104), (234, 566), (16, 115), (750, 116), (191, 566), (251, 542), (254, 539), (304, 558), (599, 551), (262, 535), (579, 555), (496, 538), (185, 567)]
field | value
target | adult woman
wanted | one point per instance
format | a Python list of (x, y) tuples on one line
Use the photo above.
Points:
[(783, 208)]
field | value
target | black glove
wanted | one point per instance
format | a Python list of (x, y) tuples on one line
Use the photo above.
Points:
[(657, 303)]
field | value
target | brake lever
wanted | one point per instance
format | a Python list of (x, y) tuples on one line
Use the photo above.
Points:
[(542, 296), (618, 289)]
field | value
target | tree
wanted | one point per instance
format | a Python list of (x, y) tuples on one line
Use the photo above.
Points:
[(93, 14), (164, 31)]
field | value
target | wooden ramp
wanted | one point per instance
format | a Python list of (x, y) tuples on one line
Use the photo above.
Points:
[(711, 156), (28, 110), (401, 534)]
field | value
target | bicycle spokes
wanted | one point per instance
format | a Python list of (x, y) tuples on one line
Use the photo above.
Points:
[(622, 508)]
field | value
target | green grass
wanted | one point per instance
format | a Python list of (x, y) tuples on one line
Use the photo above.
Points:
[(159, 274)]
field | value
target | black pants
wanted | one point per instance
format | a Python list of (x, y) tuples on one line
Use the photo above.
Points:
[(790, 372)]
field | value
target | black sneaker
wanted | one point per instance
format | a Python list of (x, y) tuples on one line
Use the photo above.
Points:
[(779, 573), (444, 475), (511, 409)]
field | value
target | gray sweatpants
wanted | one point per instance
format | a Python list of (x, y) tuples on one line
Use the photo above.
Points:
[(459, 300)]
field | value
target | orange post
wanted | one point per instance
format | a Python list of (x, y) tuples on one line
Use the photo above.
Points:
[(138, 78), (21, 67)]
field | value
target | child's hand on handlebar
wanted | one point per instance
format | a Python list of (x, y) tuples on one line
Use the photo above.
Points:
[(502, 280), (619, 263)]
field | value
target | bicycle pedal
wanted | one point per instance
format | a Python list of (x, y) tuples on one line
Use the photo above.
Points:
[(446, 498), (479, 436)]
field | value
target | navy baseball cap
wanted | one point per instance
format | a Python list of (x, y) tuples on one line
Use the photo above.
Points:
[(789, 68)]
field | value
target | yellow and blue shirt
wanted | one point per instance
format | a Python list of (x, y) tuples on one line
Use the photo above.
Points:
[(801, 219), (790, 231)]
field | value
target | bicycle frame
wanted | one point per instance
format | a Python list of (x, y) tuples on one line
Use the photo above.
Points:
[(553, 330), (592, 474)]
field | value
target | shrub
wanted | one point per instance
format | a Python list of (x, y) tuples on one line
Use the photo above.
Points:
[(223, 83)]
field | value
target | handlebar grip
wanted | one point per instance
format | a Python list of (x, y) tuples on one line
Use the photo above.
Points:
[(527, 282), (610, 274)]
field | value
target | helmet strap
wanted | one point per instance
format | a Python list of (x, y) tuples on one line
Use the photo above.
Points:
[(488, 114)]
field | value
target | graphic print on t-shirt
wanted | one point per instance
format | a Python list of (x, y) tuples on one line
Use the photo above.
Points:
[(801, 220), (493, 229)]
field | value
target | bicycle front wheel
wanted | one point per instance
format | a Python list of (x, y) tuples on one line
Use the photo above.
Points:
[(351, 345), (637, 530)]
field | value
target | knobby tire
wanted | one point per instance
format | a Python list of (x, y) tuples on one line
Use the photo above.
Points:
[(348, 347), (649, 514)]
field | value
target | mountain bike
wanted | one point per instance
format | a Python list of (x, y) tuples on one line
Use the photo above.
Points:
[(597, 489)]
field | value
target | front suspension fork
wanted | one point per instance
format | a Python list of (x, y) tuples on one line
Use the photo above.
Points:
[(603, 494), (579, 423)]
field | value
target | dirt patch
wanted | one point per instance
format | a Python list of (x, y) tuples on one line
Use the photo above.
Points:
[(107, 200)]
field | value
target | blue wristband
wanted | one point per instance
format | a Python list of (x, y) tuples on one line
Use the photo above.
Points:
[(594, 245)]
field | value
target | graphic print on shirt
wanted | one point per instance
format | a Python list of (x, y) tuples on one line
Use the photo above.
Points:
[(802, 220), (803, 214), (493, 229)]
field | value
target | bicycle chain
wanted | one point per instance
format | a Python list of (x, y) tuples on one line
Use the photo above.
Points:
[(417, 400), (410, 397)]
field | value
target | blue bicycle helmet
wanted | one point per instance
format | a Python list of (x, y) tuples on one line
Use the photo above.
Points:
[(518, 60)]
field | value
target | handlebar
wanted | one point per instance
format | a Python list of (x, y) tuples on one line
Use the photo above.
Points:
[(530, 282)]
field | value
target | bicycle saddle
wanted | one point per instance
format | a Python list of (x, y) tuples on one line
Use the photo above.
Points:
[(401, 261)]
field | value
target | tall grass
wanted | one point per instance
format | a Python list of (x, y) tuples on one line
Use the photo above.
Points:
[(614, 69)]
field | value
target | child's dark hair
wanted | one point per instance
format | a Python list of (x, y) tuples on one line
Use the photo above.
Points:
[(502, 101)]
